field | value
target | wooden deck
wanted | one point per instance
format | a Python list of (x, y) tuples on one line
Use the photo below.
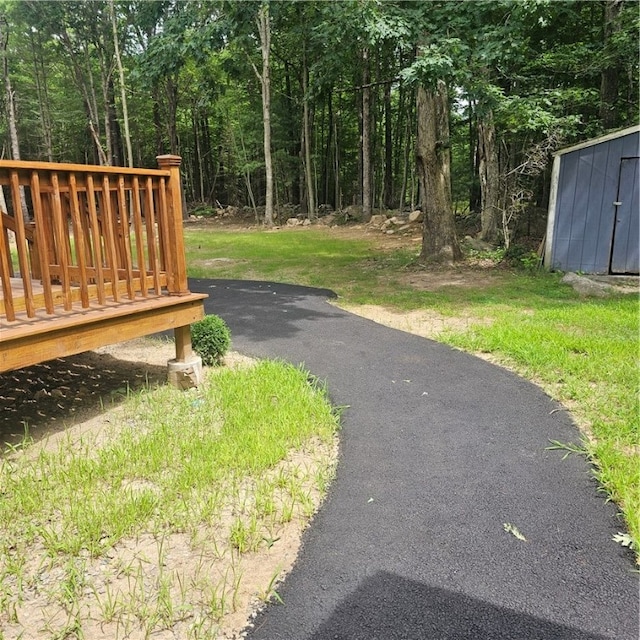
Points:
[(98, 258)]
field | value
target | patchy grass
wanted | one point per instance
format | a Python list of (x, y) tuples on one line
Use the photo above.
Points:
[(584, 352), (149, 528)]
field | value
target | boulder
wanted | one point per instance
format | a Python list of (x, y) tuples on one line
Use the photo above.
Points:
[(586, 287), (416, 216), (377, 220), (293, 222)]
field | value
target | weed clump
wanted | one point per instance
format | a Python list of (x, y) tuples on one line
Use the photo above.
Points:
[(211, 339)]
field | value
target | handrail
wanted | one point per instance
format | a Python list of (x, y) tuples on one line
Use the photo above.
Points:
[(95, 236), (82, 168)]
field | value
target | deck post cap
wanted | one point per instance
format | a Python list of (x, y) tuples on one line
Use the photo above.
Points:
[(169, 160)]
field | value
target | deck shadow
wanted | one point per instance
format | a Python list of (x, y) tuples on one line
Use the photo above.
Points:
[(392, 607), (49, 397)]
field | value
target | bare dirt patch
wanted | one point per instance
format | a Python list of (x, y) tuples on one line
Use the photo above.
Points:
[(426, 323)]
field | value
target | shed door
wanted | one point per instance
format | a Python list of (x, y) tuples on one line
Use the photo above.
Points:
[(626, 231)]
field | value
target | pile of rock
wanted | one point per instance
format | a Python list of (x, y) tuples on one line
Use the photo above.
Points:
[(398, 223)]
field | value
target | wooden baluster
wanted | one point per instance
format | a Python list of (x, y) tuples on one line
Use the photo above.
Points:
[(152, 242), (126, 243), (139, 235), (5, 273), (96, 239), (21, 242), (49, 250), (42, 244), (110, 249), (79, 240), (163, 234), (62, 242), (86, 228), (34, 252)]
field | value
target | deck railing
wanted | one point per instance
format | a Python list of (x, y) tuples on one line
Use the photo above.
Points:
[(92, 236)]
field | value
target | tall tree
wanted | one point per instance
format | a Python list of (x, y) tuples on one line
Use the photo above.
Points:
[(264, 31), (439, 240), (123, 92), (11, 110)]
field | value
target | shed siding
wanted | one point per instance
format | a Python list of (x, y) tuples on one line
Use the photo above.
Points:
[(584, 215)]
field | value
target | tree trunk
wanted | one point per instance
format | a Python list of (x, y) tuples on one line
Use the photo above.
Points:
[(308, 173), (40, 78), (489, 173), (11, 112), (264, 31), (336, 167), (123, 94), (387, 196), (609, 75), (172, 109), (367, 207), (157, 120), (439, 241)]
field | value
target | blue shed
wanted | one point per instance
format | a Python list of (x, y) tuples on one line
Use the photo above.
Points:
[(594, 206)]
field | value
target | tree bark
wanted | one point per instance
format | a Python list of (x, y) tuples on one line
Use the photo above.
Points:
[(11, 112), (308, 173), (489, 174), (387, 196), (40, 77), (171, 88), (439, 241), (609, 75), (367, 206), (123, 93), (264, 30)]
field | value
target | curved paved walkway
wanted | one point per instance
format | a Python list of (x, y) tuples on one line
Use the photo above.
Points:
[(438, 450)]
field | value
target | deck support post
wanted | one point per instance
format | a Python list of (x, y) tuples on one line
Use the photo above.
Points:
[(185, 372)]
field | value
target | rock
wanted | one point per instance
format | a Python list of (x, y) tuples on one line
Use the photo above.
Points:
[(306, 222), (477, 244), (586, 287), (293, 222), (416, 216), (377, 220), (353, 212)]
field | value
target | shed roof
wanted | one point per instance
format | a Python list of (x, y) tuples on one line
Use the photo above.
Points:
[(605, 138)]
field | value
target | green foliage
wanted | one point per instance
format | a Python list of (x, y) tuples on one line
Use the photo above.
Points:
[(204, 210), (521, 257), (211, 339), (534, 69)]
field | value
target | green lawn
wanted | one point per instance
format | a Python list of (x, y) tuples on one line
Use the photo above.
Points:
[(584, 352)]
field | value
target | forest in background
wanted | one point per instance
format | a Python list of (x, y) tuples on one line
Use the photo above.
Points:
[(321, 105)]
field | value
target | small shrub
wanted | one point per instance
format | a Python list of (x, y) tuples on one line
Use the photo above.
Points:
[(203, 210), (521, 257), (210, 338)]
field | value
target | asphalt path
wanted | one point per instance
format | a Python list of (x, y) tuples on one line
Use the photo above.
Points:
[(439, 450)]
